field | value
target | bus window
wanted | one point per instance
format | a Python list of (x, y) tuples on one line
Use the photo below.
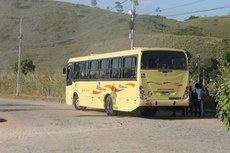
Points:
[(93, 74), (76, 74), (116, 68), (104, 69), (163, 60), (84, 70), (134, 67), (129, 67), (69, 75)]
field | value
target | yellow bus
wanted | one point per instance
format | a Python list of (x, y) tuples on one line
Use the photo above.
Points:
[(143, 78)]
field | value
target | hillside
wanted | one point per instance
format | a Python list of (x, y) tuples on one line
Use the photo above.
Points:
[(55, 31)]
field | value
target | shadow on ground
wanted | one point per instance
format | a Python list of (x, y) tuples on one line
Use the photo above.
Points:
[(2, 120)]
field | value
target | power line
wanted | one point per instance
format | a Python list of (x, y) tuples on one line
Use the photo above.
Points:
[(182, 5), (199, 11), (186, 4)]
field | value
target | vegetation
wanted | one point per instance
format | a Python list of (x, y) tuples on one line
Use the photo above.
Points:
[(119, 7), (191, 30), (26, 66), (35, 84), (193, 17), (63, 30), (223, 91)]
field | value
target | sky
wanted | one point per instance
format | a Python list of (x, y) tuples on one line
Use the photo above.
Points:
[(173, 9)]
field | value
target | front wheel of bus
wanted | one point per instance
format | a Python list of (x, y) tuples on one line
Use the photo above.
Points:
[(109, 106), (77, 104)]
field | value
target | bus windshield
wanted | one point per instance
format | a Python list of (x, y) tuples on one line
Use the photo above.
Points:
[(172, 60)]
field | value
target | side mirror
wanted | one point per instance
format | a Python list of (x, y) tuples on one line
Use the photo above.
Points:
[(64, 70)]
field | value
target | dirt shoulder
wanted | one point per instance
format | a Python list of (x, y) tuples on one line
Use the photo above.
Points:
[(44, 127)]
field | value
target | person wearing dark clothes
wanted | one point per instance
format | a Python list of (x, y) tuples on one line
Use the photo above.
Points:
[(198, 100)]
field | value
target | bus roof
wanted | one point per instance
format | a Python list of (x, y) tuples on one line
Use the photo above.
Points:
[(136, 51)]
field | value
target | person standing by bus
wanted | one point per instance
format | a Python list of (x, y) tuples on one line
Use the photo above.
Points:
[(198, 99), (191, 101)]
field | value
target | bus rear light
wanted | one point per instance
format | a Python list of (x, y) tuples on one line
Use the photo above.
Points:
[(186, 92), (142, 93), (142, 90)]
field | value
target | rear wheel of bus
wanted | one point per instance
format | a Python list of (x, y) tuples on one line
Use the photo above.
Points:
[(109, 106), (77, 104)]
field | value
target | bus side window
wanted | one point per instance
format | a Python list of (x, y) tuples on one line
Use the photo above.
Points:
[(76, 71), (69, 71), (127, 70), (84, 70), (104, 69), (116, 68), (134, 67), (129, 67), (69, 76), (93, 74)]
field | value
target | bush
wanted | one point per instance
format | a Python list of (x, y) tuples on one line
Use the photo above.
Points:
[(223, 90), (193, 17), (26, 66)]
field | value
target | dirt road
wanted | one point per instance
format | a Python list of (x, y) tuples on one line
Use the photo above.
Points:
[(41, 127)]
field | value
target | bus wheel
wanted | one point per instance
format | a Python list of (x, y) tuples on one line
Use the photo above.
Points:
[(109, 106), (76, 103)]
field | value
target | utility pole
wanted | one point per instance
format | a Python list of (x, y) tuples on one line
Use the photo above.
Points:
[(203, 82), (132, 25), (19, 57), (198, 63)]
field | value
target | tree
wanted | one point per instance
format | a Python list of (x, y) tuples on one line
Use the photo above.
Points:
[(119, 7), (193, 17), (158, 10), (206, 65), (93, 3), (26, 66), (223, 90)]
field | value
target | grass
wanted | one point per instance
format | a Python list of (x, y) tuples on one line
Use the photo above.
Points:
[(35, 84)]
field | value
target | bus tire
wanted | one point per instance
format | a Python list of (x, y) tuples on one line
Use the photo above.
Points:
[(109, 106), (77, 104)]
